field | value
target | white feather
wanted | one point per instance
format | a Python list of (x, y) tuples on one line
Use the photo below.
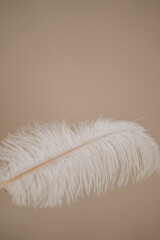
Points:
[(93, 157)]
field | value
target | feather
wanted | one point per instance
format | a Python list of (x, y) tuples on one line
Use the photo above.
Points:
[(47, 164)]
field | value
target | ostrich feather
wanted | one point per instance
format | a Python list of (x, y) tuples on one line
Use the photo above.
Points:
[(47, 164)]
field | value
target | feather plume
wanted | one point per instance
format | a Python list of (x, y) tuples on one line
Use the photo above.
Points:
[(50, 163)]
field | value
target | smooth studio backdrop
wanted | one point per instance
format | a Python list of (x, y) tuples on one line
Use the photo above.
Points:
[(81, 59)]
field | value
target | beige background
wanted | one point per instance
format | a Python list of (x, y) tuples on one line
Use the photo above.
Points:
[(81, 59)]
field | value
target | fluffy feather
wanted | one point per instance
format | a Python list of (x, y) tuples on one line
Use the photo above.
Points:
[(51, 163)]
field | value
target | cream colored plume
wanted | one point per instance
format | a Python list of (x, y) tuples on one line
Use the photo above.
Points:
[(48, 164)]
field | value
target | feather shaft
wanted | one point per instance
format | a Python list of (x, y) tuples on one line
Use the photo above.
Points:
[(10, 180)]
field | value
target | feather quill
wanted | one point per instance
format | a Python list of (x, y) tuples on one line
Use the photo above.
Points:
[(48, 164)]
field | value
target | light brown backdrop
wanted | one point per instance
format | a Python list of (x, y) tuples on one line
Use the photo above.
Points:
[(81, 59)]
